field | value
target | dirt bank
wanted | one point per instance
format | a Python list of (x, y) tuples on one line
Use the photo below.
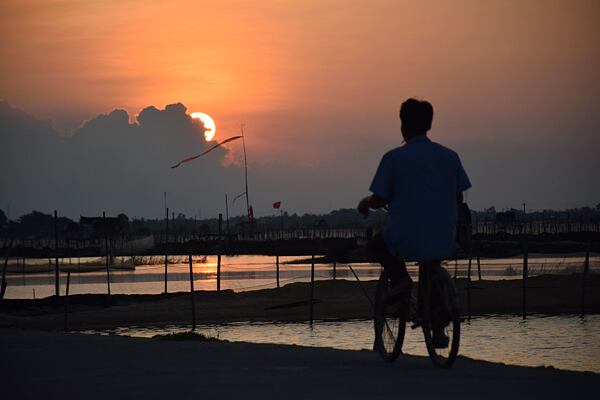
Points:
[(340, 299)]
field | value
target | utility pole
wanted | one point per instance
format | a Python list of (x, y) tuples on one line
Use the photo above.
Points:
[(219, 253), (245, 170), (56, 276), (166, 247), (105, 225), (227, 215)]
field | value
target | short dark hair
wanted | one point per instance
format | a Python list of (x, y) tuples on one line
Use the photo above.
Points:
[(416, 115)]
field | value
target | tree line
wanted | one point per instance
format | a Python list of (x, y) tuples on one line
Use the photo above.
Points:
[(38, 224)]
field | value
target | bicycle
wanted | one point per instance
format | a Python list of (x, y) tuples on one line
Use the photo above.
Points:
[(390, 318)]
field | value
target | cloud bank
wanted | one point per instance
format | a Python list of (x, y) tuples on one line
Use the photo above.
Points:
[(109, 164), (121, 164)]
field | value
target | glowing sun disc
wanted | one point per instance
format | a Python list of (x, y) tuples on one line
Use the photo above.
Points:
[(209, 125)]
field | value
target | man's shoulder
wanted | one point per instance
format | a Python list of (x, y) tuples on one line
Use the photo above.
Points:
[(443, 150), (414, 151), (394, 153)]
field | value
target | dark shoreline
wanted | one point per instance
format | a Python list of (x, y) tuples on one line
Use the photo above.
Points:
[(340, 299)]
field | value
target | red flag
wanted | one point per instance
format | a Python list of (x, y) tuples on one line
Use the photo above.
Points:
[(250, 214), (277, 204)]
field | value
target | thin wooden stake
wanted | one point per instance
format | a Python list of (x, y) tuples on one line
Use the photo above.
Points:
[(277, 269), (166, 246), (525, 275), (226, 217), (469, 286), (312, 289), (479, 266), (56, 277), (67, 302), (6, 257), (107, 251), (192, 293), (469, 267), (586, 267), (455, 269), (219, 254), (469, 299), (334, 269)]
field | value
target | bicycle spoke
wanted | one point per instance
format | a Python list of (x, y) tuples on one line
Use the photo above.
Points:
[(389, 325), (449, 315)]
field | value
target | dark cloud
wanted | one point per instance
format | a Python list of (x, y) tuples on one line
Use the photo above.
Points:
[(109, 163), (120, 163)]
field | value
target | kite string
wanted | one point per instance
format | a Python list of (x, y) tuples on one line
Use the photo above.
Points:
[(207, 151)]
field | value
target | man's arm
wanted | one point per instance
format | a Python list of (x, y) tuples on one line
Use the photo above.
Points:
[(373, 201), (382, 187)]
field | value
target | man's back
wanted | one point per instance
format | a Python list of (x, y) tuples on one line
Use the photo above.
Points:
[(421, 181), (422, 184)]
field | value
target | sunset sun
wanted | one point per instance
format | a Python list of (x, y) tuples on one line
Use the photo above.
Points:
[(209, 125)]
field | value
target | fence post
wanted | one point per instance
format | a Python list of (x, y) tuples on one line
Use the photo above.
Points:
[(219, 254), (67, 302), (56, 277), (334, 269), (107, 252), (525, 275), (455, 269), (3, 284), (479, 266), (586, 267), (469, 286), (277, 271), (192, 293), (469, 267), (469, 299), (174, 227), (166, 245), (312, 289)]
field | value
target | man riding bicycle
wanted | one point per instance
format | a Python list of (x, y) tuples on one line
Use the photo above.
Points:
[(422, 184)]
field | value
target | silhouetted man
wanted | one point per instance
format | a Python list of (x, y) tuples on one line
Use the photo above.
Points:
[(422, 184)]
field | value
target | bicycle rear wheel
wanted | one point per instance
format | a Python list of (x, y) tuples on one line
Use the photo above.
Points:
[(442, 283), (389, 321)]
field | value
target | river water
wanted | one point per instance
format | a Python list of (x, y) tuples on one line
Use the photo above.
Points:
[(565, 342), (240, 273)]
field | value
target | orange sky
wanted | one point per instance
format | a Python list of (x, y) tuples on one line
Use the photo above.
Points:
[(236, 58), (309, 77)]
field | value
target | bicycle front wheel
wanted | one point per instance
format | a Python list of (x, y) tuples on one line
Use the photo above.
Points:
[(389, 321), (445, 308)]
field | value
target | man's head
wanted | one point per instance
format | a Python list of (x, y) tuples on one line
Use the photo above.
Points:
[(416, 117)]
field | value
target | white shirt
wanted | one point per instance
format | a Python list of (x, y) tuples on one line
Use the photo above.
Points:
[(421, 181)]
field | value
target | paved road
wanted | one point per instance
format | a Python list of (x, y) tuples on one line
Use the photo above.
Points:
[(51, 365)]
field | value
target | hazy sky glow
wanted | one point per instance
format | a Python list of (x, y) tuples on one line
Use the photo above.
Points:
[(515, 87)]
